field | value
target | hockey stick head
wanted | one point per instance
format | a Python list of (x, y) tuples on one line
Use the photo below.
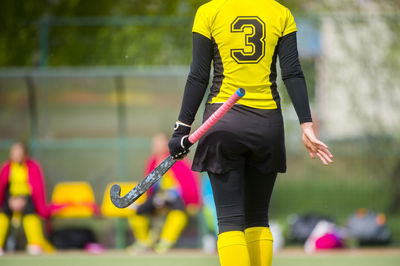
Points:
[(115, 194), (126, 200), (117, 200)]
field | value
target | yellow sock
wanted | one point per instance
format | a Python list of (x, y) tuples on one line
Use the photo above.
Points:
[(259, 242), (4, 226), (47, 246), (232, 249), (34, 232), (174, 224), (140, 226), (33, 229)]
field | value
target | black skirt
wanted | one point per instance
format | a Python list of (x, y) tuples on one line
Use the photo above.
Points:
[(244, 137)]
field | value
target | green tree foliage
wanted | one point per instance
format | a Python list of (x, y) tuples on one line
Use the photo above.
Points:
[(83, 44), (80, 43)]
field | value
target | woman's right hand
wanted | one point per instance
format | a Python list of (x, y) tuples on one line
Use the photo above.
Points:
[(179, 143)]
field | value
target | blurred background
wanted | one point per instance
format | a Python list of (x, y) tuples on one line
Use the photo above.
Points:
[(88, 83)]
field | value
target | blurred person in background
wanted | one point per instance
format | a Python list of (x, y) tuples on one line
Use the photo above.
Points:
[(23, 198), (176, 194)]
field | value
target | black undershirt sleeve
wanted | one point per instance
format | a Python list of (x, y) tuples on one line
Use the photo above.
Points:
[(292, 76), (198, 78)]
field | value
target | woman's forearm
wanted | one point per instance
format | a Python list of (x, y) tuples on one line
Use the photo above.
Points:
[(292, 76)]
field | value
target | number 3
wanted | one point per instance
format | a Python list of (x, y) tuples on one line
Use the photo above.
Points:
[(255, 40)]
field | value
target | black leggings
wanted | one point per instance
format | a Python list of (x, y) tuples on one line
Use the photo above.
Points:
[(242, 198)]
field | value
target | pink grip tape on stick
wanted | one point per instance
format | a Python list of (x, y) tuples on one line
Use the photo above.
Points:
[(193, 138)]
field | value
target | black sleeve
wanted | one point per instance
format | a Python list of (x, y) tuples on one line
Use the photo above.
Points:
[(198, 78), (292, 76)]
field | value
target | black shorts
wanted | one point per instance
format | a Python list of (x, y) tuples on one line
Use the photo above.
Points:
[(244, 136), (28, 209)]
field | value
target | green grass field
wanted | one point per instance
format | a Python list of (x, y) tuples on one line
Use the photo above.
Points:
[(378, 257)]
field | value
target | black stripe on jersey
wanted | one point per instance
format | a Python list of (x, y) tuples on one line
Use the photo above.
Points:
[(272, 79), (218, 72)]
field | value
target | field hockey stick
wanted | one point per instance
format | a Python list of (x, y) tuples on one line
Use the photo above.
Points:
[(164, 166)]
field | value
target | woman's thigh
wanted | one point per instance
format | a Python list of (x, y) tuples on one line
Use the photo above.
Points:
[(228, 191), (258, 187)]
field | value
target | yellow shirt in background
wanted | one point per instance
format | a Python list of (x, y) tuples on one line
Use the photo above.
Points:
[(168, 182), (19, 183)]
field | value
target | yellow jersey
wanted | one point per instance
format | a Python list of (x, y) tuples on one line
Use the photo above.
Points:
[(18, 180), (245, 36)]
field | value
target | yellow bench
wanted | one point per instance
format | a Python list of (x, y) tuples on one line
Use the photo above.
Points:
[(73, 200)]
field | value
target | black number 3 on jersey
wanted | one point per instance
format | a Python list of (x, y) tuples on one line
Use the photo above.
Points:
[(254, 40)]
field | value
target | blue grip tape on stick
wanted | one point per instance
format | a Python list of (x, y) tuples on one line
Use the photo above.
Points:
[(240, 92)]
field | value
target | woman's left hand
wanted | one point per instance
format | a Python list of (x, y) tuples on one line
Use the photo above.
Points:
[(315, 147)]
